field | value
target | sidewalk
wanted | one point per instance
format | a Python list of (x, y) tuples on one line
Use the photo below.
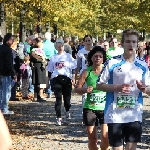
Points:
[(33, 127)]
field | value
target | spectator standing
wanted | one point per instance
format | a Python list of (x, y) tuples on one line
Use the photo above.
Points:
[(38, 72), (49, 50), (16, 64), (48, 46), (6, 72), (25, 71), (28, 44)]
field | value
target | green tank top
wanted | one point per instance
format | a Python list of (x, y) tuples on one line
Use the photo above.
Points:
[(95, 100)]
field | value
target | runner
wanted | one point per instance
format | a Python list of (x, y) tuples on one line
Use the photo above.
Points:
[(114, 50), (61, 68), (140, 50), (127, 76), (106, 46), (82, 54), (82, 58), (93, 110)]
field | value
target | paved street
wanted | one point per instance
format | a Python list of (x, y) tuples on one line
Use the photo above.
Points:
[(33, 127)]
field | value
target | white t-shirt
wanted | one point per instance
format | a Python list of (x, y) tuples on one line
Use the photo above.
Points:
[(82, 59), (116, 52), (61, 65), (119, 71)]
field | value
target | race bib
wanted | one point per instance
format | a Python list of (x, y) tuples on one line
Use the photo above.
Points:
[(126, 101), (97, 97)]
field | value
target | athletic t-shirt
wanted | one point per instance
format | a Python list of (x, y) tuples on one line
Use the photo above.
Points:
[(61, 65), (95, 100), (122, 108), (111, 52), (82, 59)]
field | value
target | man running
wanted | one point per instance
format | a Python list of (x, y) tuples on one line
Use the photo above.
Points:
[(114, 50), (127, 77)]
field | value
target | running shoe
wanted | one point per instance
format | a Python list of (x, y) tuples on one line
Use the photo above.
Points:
[(58, 121)]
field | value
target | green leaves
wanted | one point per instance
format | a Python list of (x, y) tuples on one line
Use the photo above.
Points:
[(83, 16)]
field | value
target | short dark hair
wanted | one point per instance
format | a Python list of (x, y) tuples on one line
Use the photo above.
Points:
[(66, 39), (87, 36), (7, 38), (112, 39), (38, 39), (93, 51)]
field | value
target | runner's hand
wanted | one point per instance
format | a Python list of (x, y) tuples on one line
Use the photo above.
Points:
[(123, 88), (89, 89), (140, 86)]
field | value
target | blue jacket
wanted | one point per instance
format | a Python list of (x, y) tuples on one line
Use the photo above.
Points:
[(49, 48)]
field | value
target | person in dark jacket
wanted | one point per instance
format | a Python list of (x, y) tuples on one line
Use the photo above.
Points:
[(16, 64), (7, 72)]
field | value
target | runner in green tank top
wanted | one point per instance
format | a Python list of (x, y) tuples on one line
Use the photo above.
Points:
[(93, 111), (96, 99)]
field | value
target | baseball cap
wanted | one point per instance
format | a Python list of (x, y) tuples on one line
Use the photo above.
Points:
[(60, 41)]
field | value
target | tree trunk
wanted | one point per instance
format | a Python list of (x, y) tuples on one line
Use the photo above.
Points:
[(3, 29)]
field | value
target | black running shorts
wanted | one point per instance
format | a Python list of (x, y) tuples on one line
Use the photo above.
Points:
[(128, 132), (92, 117)]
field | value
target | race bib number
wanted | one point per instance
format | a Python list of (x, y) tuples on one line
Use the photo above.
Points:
[(126, 101), (97, 97)]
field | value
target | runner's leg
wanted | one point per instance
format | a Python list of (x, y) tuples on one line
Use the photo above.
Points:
[(91, 123), (104, 137), (92, 137), (115, 135), (132, 132), (131, 146)]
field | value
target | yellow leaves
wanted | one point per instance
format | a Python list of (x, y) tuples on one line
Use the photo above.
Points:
[(56, 19)]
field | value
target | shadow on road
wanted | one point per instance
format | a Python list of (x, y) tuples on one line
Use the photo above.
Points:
[(32, 119), (39, 119)]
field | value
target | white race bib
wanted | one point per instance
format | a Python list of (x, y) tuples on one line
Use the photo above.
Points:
[(97, 97), (126, 101)]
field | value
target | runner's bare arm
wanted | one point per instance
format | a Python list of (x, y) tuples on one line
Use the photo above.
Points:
[(107, 87), (79, 86), (141, 86), (124, 88)]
